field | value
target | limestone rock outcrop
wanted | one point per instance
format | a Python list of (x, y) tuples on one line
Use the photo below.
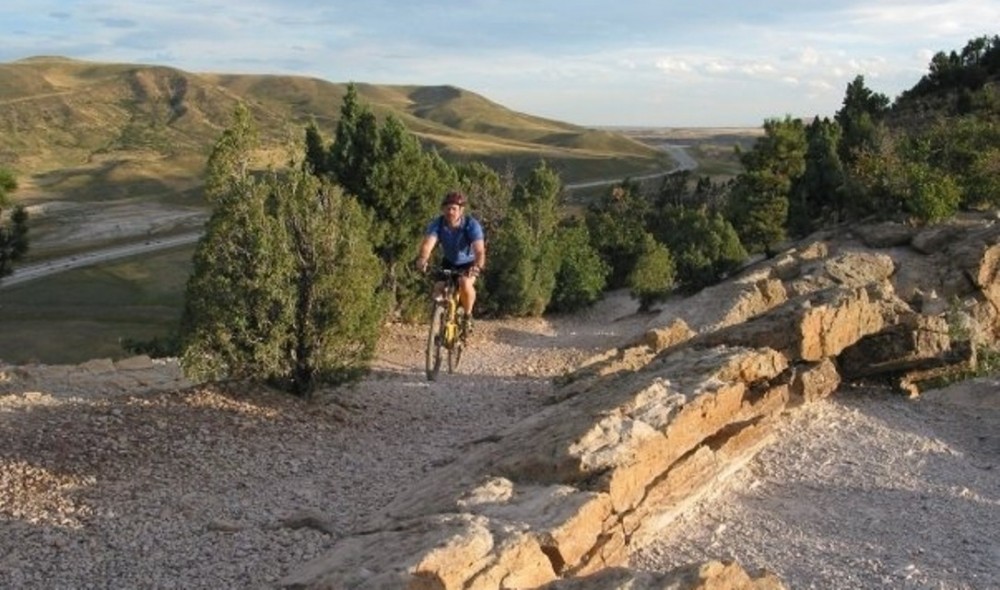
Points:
[(714, 575)]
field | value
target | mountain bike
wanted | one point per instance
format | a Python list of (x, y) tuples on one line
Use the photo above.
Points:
[(446, 335)]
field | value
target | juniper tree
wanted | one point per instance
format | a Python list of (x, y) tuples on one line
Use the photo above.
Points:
[(582, 274), (13, 231), (758, 202), (819, 196), (396, 180), (860, 114), (524, 255), (617, 224), (652, 277), (237, 300), (284, 281)]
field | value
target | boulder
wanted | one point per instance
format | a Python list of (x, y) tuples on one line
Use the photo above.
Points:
[(814, 326), (659, 339), (916, 342), (885, 234)]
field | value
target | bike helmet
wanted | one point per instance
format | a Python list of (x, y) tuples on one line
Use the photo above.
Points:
[(453, 198)]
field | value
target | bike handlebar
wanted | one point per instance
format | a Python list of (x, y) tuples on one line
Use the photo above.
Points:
[(445, 273)]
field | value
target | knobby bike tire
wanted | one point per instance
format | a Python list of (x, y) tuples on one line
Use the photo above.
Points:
[(434, 343), (454, 356), (455, 351)]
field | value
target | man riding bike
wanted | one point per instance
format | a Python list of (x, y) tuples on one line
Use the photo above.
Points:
[(463, 247)]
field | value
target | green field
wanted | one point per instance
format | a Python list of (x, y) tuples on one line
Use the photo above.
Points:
[(84, 314)]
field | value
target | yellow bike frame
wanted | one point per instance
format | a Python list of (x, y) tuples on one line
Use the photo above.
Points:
[(450, 326), (445, 333)]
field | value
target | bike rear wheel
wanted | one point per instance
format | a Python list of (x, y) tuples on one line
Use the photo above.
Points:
[(435, 343)]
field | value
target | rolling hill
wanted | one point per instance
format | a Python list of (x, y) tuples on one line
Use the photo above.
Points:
[(95, 131)]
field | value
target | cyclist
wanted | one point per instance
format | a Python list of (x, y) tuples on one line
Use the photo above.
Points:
[(463, 247)]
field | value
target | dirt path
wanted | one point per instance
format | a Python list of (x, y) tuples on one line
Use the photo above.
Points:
[(132, 479)]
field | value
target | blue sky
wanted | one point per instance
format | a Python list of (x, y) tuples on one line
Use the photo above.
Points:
[(590, 62)]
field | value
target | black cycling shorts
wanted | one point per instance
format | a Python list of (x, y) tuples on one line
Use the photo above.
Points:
[(462, 267)]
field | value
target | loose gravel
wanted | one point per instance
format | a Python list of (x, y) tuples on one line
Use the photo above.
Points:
[(105, 485), (867, 489), (209, 487)]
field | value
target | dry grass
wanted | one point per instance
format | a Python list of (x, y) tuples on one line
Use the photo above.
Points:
[(74, 129)]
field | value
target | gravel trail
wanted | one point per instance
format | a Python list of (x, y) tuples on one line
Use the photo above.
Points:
[(105, 486), (111, 486)]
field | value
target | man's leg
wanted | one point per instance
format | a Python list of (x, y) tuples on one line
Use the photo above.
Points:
[(467, 298), (467, 294)]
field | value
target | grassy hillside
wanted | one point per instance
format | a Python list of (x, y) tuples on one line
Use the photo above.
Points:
[(80, 128), (99, 143), (86, 313)]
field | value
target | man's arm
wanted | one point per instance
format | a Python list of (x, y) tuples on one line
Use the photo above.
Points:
[(479, 250), (426, 247)]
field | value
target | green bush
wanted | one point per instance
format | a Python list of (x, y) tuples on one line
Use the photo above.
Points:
[(582, 274), (616, 226), (930, 194), (286, 286), (704, 245), (652, 279)]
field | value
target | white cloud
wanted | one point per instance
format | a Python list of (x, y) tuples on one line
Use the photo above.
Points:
[(718, 67), (709, 61), (820, 86), (925, 19), (672, 65), (758, 69), (809, 57)]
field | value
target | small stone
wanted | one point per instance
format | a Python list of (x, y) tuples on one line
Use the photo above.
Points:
[(224, 526)]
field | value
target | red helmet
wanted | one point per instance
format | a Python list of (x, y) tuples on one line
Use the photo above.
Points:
[(453, 198)]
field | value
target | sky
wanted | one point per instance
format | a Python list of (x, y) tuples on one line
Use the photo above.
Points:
[(663, 63)]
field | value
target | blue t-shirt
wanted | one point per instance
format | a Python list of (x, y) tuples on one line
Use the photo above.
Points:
[(456, 244)]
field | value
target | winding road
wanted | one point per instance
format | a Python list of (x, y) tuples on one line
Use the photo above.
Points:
[(677, 152), (31, 272)]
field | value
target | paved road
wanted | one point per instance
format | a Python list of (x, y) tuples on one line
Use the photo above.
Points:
[(23, 274), (678, 152)]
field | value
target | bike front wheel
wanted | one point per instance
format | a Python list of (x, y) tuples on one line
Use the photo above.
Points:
[(434, 343), (456, 348), (455, 355)]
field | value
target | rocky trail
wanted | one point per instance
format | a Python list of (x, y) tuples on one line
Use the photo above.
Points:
[(127, 476)]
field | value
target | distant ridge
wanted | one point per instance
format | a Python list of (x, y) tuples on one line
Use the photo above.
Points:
[(76, 126)]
